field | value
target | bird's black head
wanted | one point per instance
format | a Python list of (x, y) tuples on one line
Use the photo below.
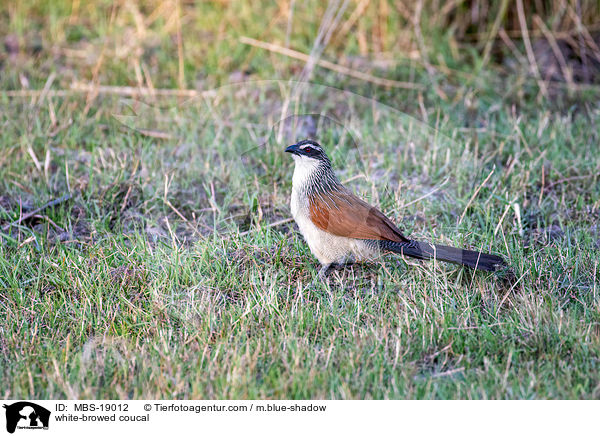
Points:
[(308, 148)]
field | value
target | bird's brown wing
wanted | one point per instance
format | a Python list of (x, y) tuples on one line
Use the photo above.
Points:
[(344, 214)]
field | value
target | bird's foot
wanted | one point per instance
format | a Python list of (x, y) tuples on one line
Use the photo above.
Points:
[(324, 272), (326, 269)]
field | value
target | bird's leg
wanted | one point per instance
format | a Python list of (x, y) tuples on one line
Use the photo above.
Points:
[(321, 278), (327, 267), (324, 271)]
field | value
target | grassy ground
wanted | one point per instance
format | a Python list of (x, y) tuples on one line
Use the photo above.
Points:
[(172, 270)]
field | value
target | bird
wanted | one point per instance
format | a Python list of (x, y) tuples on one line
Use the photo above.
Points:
[(341, 228)]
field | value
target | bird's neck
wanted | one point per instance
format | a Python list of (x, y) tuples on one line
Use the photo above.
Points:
[(313, 176)]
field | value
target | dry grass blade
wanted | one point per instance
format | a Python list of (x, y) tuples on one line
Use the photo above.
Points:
[(529, 49), (356, 14), (131, 91), (330, 65), (583, 32), (474, 196), (494, 32), (328, 24), (566, 72), (181, 70), (125, 91)]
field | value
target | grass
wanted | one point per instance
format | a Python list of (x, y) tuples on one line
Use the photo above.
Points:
[(163, 276)]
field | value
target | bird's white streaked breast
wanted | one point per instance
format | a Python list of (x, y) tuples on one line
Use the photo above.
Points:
[(326, 247)]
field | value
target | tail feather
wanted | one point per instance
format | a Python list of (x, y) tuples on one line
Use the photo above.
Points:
[(424, 251)]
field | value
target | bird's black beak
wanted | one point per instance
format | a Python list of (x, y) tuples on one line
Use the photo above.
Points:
[(294, 149)]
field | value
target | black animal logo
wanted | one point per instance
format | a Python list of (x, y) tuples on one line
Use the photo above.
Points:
[(26, 414)]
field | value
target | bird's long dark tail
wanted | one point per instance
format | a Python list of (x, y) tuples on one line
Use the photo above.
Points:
[(425, 251)]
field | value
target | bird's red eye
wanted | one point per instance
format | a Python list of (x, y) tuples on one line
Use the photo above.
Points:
[(308, 149)]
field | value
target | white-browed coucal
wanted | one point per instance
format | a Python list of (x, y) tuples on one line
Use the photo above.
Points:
[(341, 228)]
